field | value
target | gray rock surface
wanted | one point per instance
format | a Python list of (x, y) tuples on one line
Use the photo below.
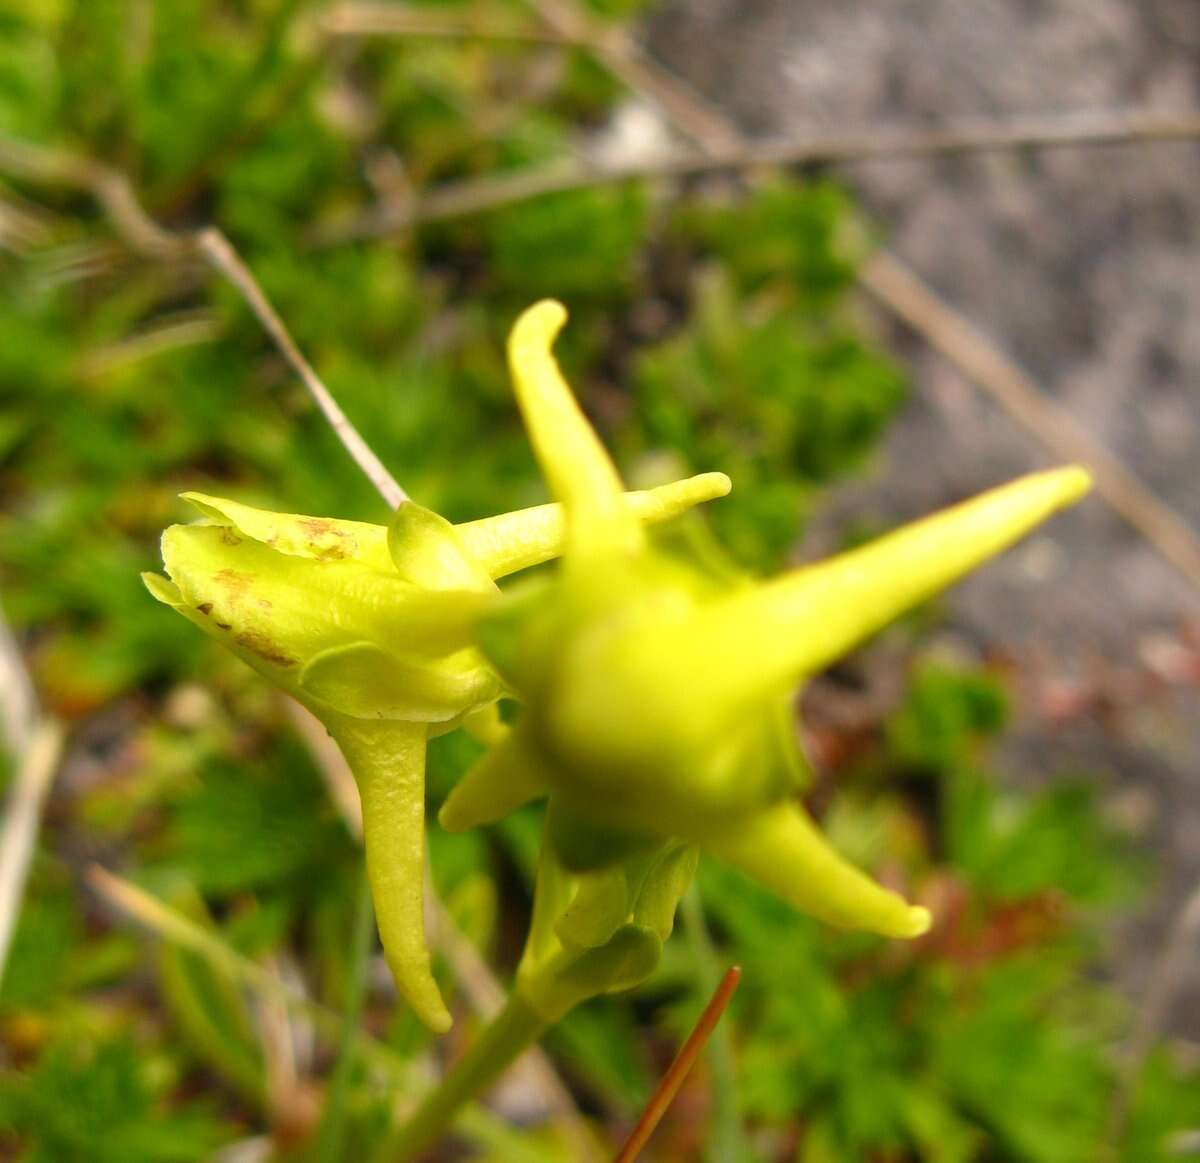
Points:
[(1084, 265)]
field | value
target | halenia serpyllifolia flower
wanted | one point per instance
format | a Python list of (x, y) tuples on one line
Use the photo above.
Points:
[(657, 694)]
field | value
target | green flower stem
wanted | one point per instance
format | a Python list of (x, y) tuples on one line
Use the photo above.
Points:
[(512, 1031)]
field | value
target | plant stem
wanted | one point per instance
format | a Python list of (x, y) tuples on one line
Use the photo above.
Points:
[(514, 1029)]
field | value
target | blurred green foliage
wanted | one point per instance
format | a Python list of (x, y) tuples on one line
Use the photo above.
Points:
[(99, 1103), (715, 333)]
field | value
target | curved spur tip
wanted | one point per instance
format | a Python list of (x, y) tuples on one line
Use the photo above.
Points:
[(715, 484), (537, 326), (1076, 481), (916, 922)]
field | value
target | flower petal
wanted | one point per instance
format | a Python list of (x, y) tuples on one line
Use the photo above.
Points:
[(506, 777), (576, 465), (365, 681), (782, 849), (426, 549), (319, 538), (278, 611), (513, 541), (767, 637)]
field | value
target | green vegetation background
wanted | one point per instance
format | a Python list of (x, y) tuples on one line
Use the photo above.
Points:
[(711, 329)]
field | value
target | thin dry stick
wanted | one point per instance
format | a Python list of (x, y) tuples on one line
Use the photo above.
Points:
[(18, 703), (142, 234), (1051, 425), (626, 60), (339, 782), (186, 329), (218, 250), (35, 743), (472, 196), (52, 167), (363, 19), (38, 763), (21, 230), (483, 991), (277, 1037), (174, 927), (664, 1094)]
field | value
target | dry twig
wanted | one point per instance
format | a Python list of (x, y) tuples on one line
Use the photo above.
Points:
[(475, 195), (169, 925), (52, 167), (364, 18), (664, 1094), (18, 703), (35, 743), (625, 59), (38, 763), (184, 329), (217, 249), (333, 768)]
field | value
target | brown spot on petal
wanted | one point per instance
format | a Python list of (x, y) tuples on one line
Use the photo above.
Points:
[(261, 645), (229, 537), (326, 541), (234, 580), (224, 626), (204, 608)]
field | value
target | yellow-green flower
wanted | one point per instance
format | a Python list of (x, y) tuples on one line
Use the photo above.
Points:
[(372, 628), (657, 696)]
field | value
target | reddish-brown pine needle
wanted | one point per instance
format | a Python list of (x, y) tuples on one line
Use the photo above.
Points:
[(668, 1088)]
